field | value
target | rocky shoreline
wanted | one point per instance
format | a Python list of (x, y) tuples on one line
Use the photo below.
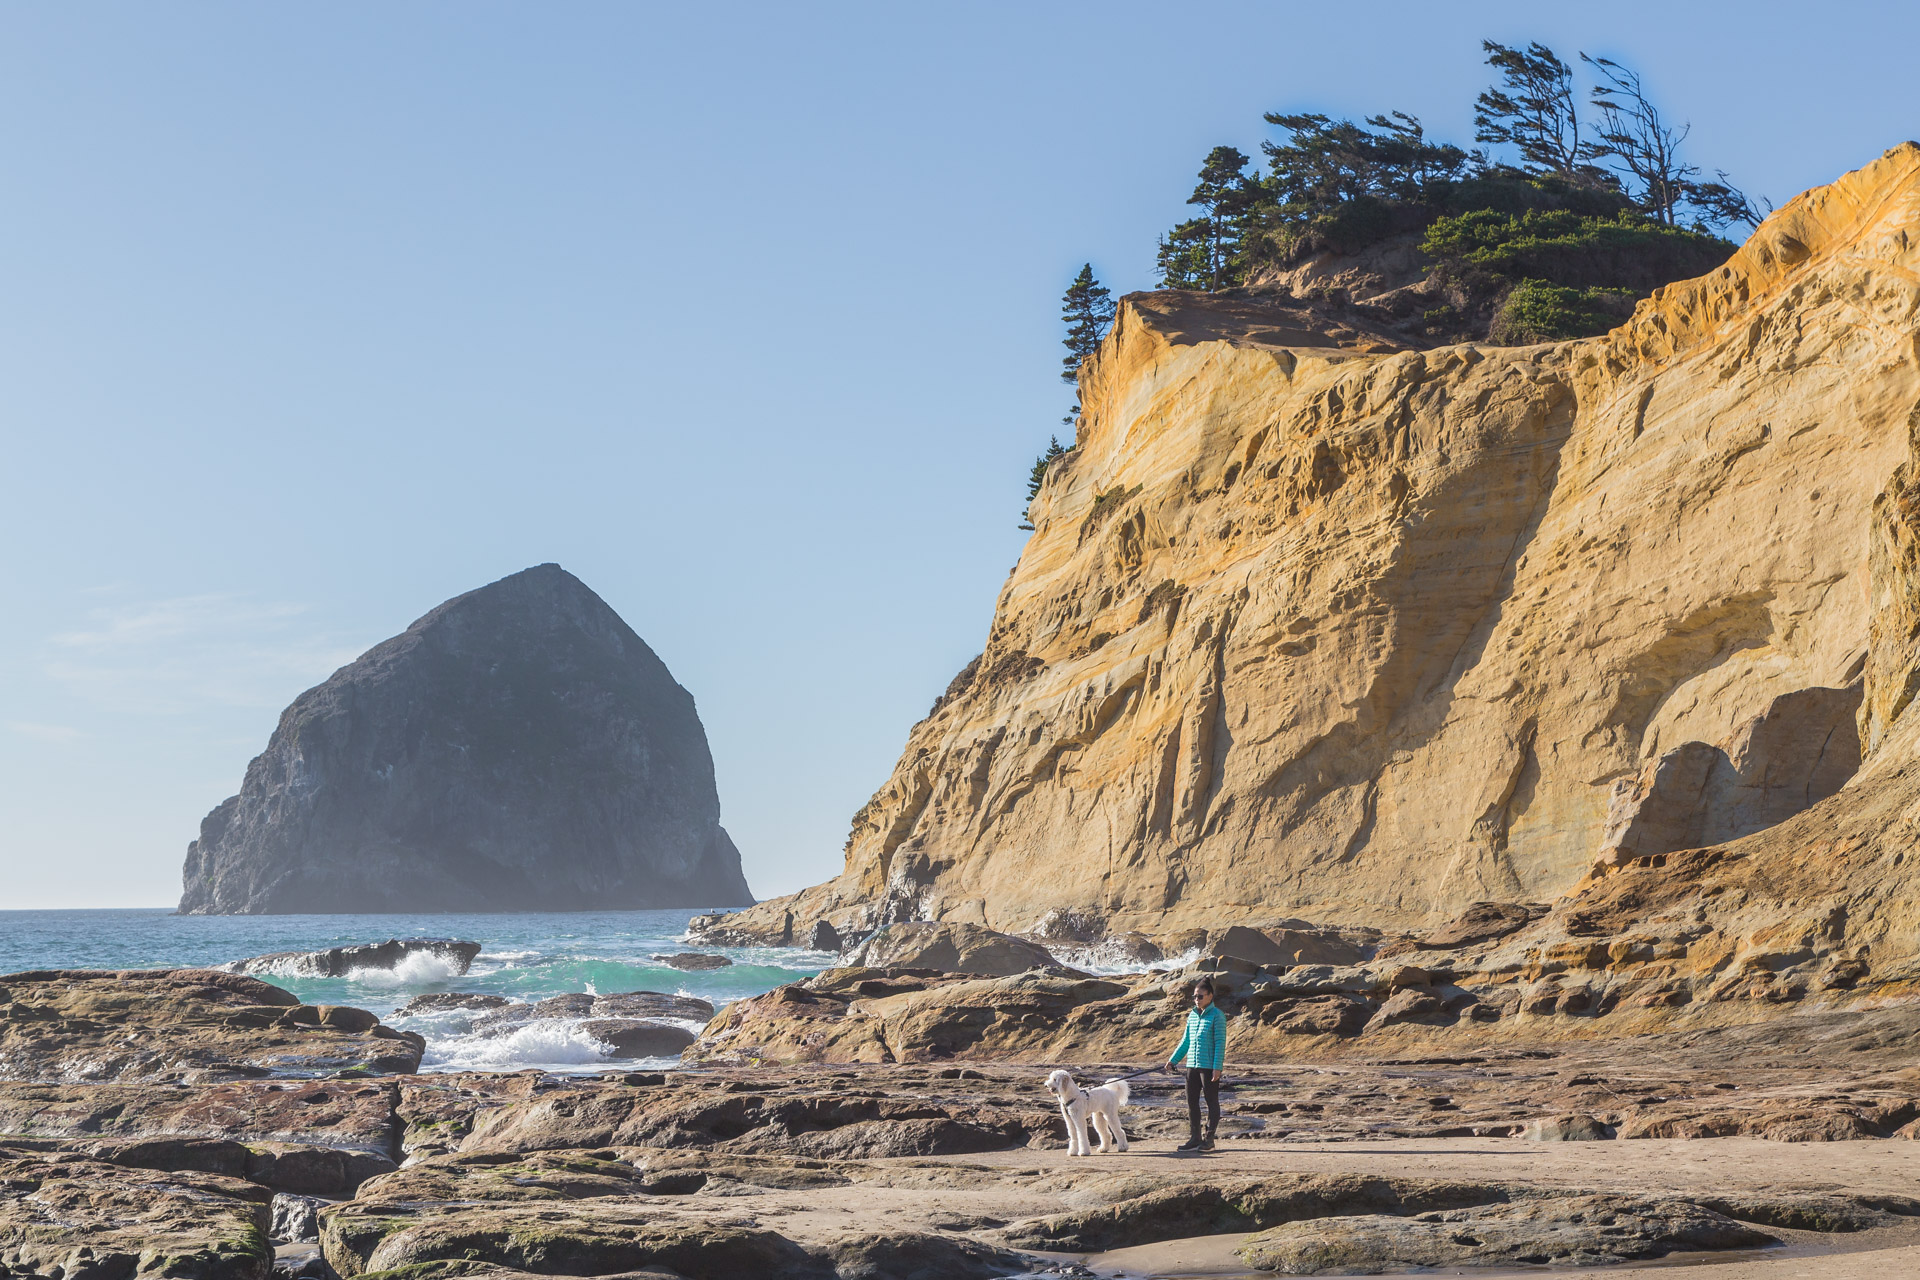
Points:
[(248, 1132)]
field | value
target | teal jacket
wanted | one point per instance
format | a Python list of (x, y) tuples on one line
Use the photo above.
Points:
[(1204, 1043)]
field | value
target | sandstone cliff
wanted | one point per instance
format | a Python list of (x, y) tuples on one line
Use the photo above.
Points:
[(1310, 626), (519, 748)]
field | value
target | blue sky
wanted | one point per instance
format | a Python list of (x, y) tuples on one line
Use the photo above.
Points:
[(313, 316)]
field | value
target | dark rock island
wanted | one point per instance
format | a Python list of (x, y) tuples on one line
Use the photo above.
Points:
[(519, 748)]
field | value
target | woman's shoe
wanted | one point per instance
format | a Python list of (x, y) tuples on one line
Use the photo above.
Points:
[(1206, 1143), (1191, 1144)]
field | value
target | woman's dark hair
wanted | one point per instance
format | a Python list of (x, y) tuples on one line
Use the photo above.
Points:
[(1203, 984)]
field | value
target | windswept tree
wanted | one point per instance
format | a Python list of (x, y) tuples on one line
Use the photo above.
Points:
[(1721, 204), (1408, 167), (1532, 110), (1087, 308), (1325, 163), (1644, 147), (1645, 151)]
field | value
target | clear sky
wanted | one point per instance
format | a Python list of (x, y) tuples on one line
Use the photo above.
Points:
[(312, 316)]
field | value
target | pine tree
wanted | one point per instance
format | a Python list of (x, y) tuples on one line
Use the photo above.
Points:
[(1204, 253), (1533, 109), (1224, 193), (1038, 476), (1087, 308)]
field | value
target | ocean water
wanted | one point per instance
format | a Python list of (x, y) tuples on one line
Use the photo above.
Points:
[(523, 957)]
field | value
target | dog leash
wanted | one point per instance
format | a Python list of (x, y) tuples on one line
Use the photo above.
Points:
[(1143, 1071)]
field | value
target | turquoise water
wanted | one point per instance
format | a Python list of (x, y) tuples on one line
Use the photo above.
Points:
[(523, 957)]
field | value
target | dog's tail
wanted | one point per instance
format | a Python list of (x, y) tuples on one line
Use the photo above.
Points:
[(1122, 1089)]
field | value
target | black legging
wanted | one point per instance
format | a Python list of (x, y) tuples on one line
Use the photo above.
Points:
[(1198, 1080)]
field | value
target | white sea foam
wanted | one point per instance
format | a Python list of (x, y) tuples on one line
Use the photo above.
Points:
[(1108, 960), (416, 969), (288, 968), (551, 1044)]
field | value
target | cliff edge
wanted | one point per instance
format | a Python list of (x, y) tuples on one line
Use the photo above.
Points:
[(1311, 627)]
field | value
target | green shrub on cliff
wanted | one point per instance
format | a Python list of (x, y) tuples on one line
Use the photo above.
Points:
[(1536, 311), (1626, 250), (1583, 203)]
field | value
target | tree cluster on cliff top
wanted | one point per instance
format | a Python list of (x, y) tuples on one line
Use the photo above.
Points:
[(1597, 199), (1582, 212)]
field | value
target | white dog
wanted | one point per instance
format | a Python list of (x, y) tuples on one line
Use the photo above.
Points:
[(1101, 1105)]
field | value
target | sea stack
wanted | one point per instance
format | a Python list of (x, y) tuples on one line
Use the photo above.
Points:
[(519, 748)]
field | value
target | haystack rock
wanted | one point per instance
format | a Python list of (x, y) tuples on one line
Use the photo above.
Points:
[(1310, 627), (519, 748)]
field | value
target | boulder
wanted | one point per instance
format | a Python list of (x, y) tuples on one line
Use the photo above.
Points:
[(297, 1168), (1242, 943), (338, 962), (1282, 946), (693, 961), (631, 1038), (62, 1214), (309, 1170), (1568, 1128), (1135, 948), (954, 948), (652, 1004), (824, 937), (597, 1238), (1234, 1205), (1568, 1230), (1481, 922), (1324, 979), (182, 1024), (1409, 1005), (814, 1119), (296, 1219), (626, 1006), (518, 748)]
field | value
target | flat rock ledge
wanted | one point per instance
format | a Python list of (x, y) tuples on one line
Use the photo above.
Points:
[(187, 1025)]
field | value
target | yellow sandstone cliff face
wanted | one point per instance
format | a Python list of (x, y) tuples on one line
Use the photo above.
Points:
[(1313, 627)]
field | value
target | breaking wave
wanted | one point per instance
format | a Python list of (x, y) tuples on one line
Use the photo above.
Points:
[(1108, 959), (550, 1044), (417, 969)]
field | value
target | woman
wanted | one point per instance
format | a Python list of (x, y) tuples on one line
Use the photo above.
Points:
[(1204, 1046)]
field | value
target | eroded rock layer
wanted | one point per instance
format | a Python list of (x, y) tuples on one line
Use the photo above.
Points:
[(1325, 630)]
